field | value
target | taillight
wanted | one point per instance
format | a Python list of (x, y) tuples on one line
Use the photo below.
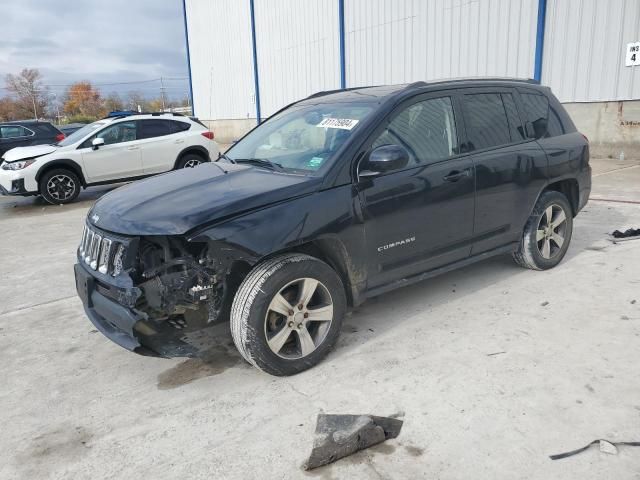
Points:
[(208, 134), (60, 137)]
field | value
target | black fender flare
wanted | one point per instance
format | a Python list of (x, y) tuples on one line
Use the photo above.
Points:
[(62, 163), (197, 149)]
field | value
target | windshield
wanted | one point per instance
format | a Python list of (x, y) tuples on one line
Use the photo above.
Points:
[(303, 138), (80, 134)]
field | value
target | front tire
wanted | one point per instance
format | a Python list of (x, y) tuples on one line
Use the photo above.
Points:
[(547, 235), (59, 186), (287, 314)]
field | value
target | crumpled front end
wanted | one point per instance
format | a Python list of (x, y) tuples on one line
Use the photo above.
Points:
[(154, 295)]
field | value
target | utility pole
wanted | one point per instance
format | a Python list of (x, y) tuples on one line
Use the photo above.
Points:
[(162, 93)]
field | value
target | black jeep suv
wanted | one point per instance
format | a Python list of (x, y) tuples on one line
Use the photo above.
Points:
[(334, 199)]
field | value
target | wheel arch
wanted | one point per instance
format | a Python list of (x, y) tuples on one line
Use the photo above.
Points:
[(192, 149), (64, 163), (569, 188), (329, 250)]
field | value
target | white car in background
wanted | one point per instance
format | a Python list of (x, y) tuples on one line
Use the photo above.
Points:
[(115, 149)]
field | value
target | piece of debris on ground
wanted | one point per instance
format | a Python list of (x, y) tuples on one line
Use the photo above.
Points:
[(338, 436), (606, 446), (630, 232)]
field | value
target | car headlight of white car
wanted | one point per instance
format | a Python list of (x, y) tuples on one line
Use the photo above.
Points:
[(19, 165)]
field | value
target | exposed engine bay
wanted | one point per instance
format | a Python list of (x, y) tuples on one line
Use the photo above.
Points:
[(184, 288)]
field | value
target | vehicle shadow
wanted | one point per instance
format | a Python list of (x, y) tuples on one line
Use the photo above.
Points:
[(388, 311)]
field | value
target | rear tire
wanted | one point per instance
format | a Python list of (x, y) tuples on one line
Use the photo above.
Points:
[(190, 160), (287, 314), (547, 234), (59, 186)]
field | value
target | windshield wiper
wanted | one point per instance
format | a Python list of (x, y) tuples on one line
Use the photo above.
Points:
[(228, 159), (262, 162)]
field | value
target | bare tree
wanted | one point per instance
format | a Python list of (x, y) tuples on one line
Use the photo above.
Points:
[(113, 102), (137, 100), (31, 97)]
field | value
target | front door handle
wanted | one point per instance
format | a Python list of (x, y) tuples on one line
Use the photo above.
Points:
[(133, 148), (456, 175)]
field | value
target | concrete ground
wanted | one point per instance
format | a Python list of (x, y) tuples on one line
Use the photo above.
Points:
[(493, 367)]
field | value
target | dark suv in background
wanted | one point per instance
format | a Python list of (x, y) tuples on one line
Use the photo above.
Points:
[(334, 199), (26, 133)]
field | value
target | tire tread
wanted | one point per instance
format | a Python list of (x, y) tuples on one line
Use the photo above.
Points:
[(246, 294)]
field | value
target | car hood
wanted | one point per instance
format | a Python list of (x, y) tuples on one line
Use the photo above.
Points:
[(20, 153), (177, 202)]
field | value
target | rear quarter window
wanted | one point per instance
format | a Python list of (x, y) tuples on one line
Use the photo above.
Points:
[(179, 126), (544, 119), (46, 129)]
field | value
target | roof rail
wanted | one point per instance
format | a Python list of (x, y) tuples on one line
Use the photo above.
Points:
[(337, 90), (480, 79), (417, 84), (127, 113)]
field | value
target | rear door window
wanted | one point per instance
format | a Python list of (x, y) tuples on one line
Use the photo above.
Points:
[(516, 127), (486, 120), (154, 128)]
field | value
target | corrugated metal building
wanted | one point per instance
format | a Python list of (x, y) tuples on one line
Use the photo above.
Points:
[(248, 58)]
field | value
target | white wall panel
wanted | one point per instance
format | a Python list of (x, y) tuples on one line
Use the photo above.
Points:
[(297, 48), (585, 42), (398, 41), (221, 59)]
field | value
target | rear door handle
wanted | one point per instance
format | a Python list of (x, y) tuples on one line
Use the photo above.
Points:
[(456, 175), (179, 141), (133, 148)]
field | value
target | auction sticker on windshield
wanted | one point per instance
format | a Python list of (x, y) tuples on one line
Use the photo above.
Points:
[(342, 123)]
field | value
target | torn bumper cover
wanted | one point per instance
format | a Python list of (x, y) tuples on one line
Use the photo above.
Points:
[(110, 318), (111, 311)]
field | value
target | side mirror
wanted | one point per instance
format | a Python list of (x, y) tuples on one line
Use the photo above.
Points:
[(384, 159), (96, 143)]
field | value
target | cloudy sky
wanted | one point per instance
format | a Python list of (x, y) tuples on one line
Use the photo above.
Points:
[(104, 41)]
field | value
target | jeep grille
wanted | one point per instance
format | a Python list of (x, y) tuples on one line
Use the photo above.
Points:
[(101, 253)]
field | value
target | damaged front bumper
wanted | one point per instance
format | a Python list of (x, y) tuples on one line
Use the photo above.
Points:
[(113, 320), (112, 311), (159, 296)]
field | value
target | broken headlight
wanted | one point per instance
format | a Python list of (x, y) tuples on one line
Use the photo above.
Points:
[(117, 260)]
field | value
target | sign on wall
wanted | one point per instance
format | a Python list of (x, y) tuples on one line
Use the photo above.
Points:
[(633, 54)]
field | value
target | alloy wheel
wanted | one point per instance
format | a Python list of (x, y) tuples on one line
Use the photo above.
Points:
[(551, 231), (192, 163), (298, 318), (61, 187)]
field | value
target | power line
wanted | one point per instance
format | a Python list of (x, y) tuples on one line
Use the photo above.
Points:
[(107, 84)]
